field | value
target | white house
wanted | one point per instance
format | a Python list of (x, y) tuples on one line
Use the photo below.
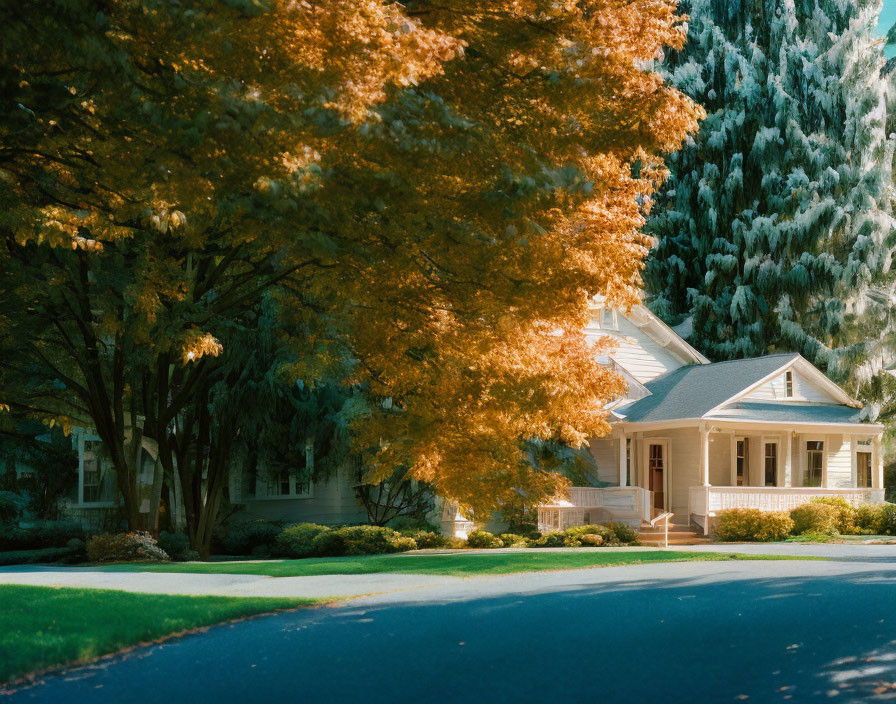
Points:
[(692, 437)]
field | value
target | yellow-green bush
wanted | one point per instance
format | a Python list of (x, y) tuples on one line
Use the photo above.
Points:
[(483, 539), (751, 524), (815, 518), (846, 513)]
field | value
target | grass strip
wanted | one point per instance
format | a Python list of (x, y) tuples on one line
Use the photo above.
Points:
[(42, 627), (447, 564)]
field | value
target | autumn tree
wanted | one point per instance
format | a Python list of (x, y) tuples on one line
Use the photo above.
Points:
[(431, 193)]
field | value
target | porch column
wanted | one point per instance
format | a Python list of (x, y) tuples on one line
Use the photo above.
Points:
[(623, 478), (877, 477), (704, 453), (788, 461)]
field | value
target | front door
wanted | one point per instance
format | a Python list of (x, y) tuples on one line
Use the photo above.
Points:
[(656, 465)]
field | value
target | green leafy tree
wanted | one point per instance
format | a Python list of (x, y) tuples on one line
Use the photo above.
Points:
[(775, 229)]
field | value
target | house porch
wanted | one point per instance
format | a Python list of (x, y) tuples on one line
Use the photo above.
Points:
[(693, 470)]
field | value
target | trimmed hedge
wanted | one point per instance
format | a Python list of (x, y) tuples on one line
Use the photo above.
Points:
[(613, 534), (30, 557), (751, 524), (361, 540), (298, 540), (483, 539), (50, 534), (251, 537), (815, 518)]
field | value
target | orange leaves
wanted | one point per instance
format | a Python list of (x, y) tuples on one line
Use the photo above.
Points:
[(197, 345)]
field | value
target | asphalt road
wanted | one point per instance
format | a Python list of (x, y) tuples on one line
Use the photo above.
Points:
[(686, 632)]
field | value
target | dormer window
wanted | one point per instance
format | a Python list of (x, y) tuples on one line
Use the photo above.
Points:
[(788, 384)]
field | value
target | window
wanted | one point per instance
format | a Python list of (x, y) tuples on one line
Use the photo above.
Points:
[(628, 461), (97, 481), (788, 384), (285, 484), (863, 470), (608, 319), (771, 464), (741, 462), (814, 463)]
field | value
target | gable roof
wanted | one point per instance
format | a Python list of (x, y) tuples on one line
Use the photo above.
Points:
[(695, 390), (641, 317)]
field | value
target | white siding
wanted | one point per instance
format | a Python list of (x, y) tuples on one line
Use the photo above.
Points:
[(605, 451), (637, 352), (839, 451), (803, 390)]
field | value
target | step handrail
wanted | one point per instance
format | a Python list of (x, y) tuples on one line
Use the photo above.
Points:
[(659, 518)]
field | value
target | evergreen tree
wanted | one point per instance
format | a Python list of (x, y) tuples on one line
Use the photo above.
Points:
[(775, 229)]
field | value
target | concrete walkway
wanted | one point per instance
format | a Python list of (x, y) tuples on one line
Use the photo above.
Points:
[(843, 559)]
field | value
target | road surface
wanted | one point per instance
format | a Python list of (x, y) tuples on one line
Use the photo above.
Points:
[(669, 633)]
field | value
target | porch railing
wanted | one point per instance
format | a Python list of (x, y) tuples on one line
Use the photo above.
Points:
[(707, 500), (587, 504)]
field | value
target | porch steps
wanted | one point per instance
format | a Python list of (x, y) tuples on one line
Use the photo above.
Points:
[(679, 534)]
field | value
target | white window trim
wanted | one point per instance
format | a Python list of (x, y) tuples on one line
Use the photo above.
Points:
[(735, 438), (804, 457), (773, 440), (856, 449)]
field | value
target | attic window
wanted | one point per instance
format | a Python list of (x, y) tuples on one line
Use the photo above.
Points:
[(788, 384), (608, 320)]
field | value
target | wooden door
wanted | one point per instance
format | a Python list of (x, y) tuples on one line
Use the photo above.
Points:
[(656, 466)]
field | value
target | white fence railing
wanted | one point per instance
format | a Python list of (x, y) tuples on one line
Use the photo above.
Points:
[(587, 504), (706, 500)]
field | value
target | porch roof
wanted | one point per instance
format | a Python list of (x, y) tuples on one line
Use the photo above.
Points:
[(695, 390), (788, 413)]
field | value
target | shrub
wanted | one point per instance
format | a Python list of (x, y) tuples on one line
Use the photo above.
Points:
[(12, 507), (572, 537), (298, 540), (846, 512), (624, 534), (815, 518), (329, 543), (50, 534), (361, 540), (554, 540), (177, 545), (408, 525), (30, 557), (456, 543), (751, 524), (428, 540), (512, 540), (124, 547), (244, 538), (483, 539), (869, 518)]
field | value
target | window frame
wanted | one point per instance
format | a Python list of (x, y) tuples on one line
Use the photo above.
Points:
[(808, 453), (775, 456), (788, 384)]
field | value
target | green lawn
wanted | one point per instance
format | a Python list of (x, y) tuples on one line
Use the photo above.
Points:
[(452, 564), (45, 626)]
